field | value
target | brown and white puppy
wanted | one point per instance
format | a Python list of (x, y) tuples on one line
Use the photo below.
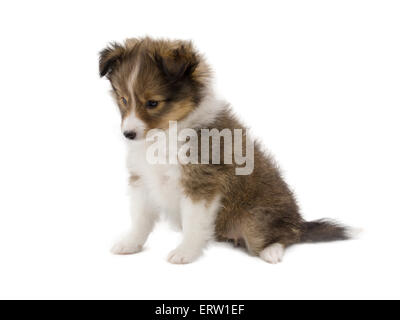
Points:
[(155, 82)]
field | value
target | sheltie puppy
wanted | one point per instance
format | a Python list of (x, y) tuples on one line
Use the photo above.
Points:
[(213, 181)]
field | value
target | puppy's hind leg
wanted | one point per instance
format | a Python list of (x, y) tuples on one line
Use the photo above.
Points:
[(273, 253), (255, 243), (143, 218), (267, 234)]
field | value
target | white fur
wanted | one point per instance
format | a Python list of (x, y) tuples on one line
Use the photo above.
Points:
[(143, 217), (354, 233), (198, 220), (205, 113), (273, 253), (158, 190), (133, 123), (132, 78)]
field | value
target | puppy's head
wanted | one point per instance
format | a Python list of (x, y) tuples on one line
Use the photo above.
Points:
[(153, 82)]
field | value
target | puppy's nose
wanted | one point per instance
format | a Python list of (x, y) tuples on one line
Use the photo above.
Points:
[(131, 135)]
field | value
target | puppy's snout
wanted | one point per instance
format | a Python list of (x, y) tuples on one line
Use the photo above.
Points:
[(131, 135)]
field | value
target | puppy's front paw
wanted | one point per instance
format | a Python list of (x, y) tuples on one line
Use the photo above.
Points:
[(126, 246), (183, 255)]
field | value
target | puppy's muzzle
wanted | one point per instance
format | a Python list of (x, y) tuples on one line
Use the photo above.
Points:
[(131, 135)]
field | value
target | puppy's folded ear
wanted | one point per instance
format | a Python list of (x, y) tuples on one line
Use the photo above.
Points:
[(177, 63), (109, 57)]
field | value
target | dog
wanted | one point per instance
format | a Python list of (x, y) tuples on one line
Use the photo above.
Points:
[(156, 82)]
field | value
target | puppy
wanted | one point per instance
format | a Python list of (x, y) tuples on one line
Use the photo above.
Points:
[(164, 87)]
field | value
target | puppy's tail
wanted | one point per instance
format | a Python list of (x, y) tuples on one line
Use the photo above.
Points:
[(325, 230)]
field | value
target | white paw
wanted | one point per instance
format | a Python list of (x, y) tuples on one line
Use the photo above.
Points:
[(126, 246), (183, 255), (273, 253)]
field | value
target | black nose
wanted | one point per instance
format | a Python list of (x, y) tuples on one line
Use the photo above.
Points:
[(130, 135)]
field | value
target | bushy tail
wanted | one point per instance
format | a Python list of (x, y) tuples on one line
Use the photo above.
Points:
[(324, 230)]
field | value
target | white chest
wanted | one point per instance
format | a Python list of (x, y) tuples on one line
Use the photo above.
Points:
[(161, 181)]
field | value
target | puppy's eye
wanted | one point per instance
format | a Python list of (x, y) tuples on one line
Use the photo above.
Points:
[(151, 104), (124, 101)]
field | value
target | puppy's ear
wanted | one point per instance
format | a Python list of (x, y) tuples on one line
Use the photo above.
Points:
[(178, 63), (109, 58)]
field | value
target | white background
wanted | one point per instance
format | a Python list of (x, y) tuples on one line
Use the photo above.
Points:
[(318, 81)]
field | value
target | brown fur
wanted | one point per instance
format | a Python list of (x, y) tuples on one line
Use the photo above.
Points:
[(257, 209), (170, 72), (134, 179)]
